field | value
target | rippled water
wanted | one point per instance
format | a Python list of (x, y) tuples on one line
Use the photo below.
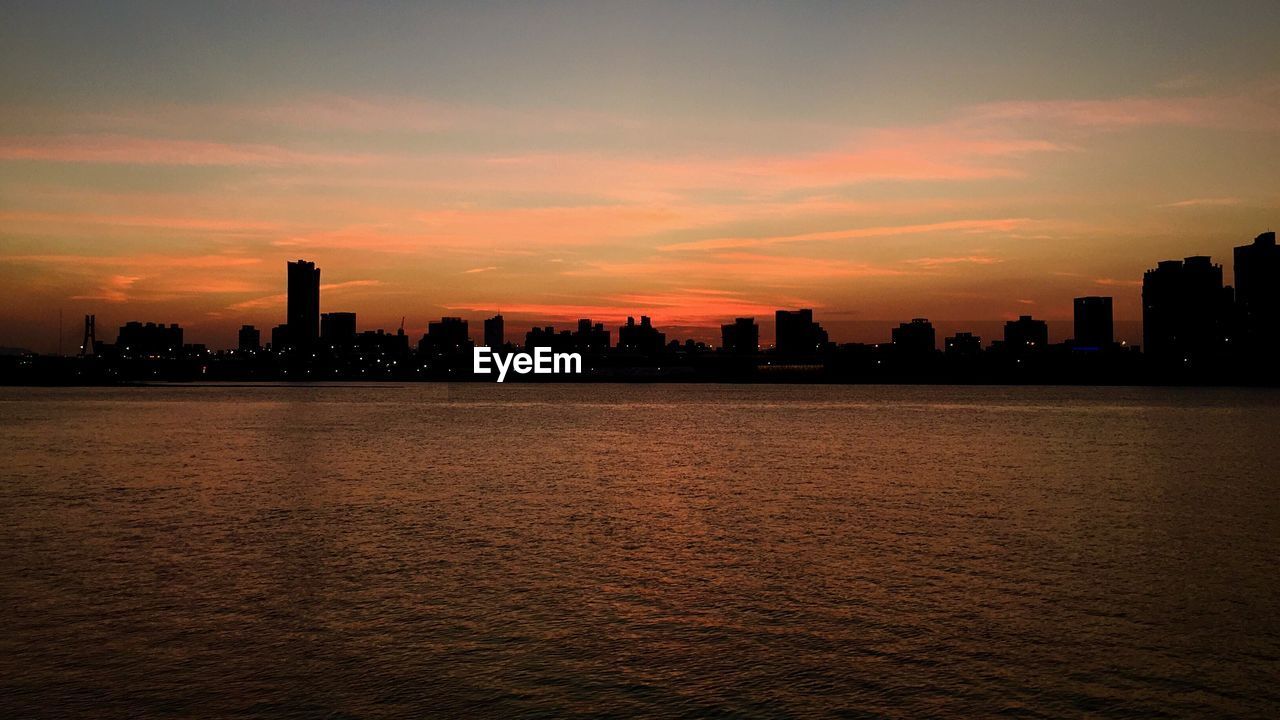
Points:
[(492, 550)]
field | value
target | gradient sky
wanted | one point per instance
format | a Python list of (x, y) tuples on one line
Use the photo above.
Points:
[(693, 162)]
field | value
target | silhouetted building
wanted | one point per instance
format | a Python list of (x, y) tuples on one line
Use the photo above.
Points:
[(689, 347), (303, 312), (1257, 270), (449, 336), (279, 337), (741, 337), (380, 348), (495, 334), (338, 328), (643, 338), (1094, 327), (249, 339), (547, 337), (1185, 311), (1026, 333), (915, 338), (797, 334), (591, 338), (962, 344), (137, 340)]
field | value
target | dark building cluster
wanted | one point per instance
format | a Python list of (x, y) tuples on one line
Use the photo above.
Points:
[(1196, 329), (1193, 323)]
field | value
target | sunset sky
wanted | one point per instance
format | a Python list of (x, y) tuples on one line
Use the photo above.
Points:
[(689, 161)]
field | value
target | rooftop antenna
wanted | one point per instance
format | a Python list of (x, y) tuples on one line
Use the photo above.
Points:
[(59, 332)]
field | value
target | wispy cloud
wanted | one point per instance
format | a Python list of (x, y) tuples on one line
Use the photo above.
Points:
[(1250, 108), (1205, 202), (26, 221), (146, 260), (279, 299), (114, 290), (127, 150), (980, 225), (1112, 282), (934, 262)]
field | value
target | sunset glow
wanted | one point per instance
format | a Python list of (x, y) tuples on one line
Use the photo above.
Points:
[(563, 161)]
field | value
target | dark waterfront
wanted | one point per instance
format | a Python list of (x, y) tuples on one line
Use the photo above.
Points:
[(658, 550)]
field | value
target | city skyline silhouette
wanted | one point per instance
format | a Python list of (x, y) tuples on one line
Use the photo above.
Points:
[(1195, 329)]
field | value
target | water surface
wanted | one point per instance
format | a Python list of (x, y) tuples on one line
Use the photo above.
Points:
[(755, 551)]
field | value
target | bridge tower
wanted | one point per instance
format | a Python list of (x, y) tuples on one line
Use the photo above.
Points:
[(90, 336)]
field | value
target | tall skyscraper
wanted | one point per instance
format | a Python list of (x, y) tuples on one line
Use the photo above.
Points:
[(1185, 311), (302, 315), (495, 334), (1094, 327), (1257, 269)]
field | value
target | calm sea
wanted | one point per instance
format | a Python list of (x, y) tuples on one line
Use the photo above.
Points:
[(670, 551)]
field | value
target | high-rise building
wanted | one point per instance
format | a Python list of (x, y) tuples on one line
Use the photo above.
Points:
[(495, 334), (796, 333), (741, 337), (152, 339), (1186, 311), (1257, 270), (1026, 333), (302, 315), (338, 328), (642, 338), (547, 337), (915, 338), (383, 347), (449, 336), (591, 338), (249, 339), (1094, 327), (279, 337)]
